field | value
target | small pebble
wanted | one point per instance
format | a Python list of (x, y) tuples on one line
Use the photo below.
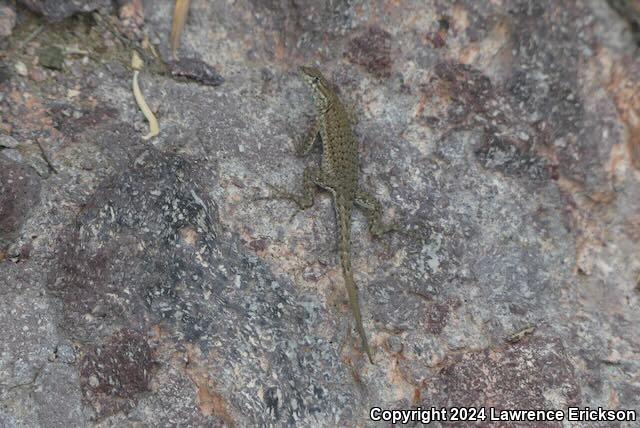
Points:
[(37, 75), (13, 154), (21, 69), (93, 381), (7, 20), (66, 353), (8, 141)]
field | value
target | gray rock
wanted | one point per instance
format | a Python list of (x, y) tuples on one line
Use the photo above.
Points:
[(57, 10), (142, 283), (194, 281), (19, 192)]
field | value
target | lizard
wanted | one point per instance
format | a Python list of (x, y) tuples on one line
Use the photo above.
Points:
[(338, 174)]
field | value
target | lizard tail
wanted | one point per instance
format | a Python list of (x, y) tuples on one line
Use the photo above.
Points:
[(344, 232)]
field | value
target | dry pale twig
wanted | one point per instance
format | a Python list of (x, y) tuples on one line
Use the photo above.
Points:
[(179, 18), (154, 128)]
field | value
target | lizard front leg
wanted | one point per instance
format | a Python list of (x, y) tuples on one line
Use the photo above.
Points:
[(304, 146), (372, 210)]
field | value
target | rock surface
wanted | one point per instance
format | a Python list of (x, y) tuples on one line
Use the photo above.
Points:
[(141, 282), (7, 19), (56, 10)]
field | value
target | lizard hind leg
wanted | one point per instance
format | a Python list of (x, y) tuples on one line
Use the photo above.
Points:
[(310, 180), (372, 210)]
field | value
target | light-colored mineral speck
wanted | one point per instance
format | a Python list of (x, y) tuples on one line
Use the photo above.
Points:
[(93, 381), (21, 68)]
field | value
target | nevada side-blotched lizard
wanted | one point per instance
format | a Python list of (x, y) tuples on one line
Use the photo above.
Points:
[(338, 174)]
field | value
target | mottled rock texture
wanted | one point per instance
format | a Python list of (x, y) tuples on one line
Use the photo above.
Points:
[(56, 10), (7, 19), (143, 284)]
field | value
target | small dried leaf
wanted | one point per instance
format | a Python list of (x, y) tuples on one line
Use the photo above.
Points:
[(51, 57), (195, 69)]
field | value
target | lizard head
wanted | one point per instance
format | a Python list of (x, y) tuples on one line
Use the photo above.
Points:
[(317, 82)]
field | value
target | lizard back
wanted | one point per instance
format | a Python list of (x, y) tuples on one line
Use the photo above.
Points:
[(339, 148)]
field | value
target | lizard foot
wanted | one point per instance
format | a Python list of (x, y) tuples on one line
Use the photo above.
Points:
[(278, 193), (378, 230)]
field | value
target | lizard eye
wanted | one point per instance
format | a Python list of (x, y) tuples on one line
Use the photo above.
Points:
[(316, 79)]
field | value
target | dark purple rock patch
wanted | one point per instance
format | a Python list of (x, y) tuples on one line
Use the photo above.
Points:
[(533, 374), (372, 50), (114, 373)]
